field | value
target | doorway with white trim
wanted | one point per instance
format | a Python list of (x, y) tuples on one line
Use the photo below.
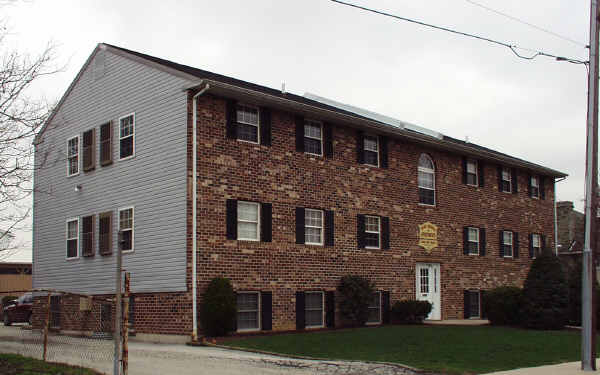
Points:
[(428, 287)]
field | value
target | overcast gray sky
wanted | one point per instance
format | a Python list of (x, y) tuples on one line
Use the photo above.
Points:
[(461, 87)]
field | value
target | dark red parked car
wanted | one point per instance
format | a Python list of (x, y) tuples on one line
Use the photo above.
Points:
[(20, 311)]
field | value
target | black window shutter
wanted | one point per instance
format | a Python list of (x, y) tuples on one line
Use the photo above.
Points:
[(266, 307), (360, 231), (266, 222), (482, 241), (529, 190), (360, 144), (513, 178), (466, 240), (480, 171), (231, 119), (499, 178), (329, 228), (467, 296), (501, 243), (330, 309), (531, 245), (235, 320), (328, 140), (542, 187), (300, 225), (482, 304), (543, 239), (464, 174), (265, 126), (383, 152), (300, 313), (231, 225), (515, 245), (299, 133), (385, 307), (385, 232)]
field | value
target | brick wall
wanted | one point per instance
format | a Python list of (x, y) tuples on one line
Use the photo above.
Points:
[(287, 179)]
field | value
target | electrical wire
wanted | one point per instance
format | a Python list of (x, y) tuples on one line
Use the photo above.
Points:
[(527, 23), (512, 47)]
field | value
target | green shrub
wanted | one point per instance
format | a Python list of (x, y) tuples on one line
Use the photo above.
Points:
[(355, 294), (574, 277), (503, 305), (545, 294), (410, 311), (218, 311)]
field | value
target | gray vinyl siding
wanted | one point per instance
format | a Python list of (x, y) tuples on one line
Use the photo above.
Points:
[(153, 181)]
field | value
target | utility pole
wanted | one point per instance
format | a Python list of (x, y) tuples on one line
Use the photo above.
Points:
[(117, 328), (588, 332)]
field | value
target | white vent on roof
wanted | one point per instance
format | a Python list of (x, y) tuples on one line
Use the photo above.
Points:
[(375, 116)]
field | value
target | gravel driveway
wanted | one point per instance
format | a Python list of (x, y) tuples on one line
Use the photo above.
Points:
[(177, 359)]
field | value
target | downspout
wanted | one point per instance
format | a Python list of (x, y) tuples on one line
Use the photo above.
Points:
[(556, 217), (195, 210)]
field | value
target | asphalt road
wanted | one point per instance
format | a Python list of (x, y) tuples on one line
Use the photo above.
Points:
[(177, 359)]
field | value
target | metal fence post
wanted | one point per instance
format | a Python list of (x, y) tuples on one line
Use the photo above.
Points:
[(125, 363), (46, 326)]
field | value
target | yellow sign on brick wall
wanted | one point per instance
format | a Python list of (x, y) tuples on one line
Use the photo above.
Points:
[(428, 236)]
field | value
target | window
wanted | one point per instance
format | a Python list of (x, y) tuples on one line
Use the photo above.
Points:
[(248, 311), (106, 144), (507, 243), (73, 238), (126, 229), (371, 150), (313, 227), (506, 180), (474, 304), (536, 245), (313, 137), (105, 233), (73, 156), (472, 178), (248, 222), (127, 136), (87, 235), (314, 309), (89, 150), (247, 123), (372, 232), (535, 186), (375, 309), (473, 239), (426, 180)]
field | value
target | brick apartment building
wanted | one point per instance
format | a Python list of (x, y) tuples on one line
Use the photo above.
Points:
[(287, 193)]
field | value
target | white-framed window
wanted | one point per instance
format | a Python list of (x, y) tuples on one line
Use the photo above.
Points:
[(313, 227), (474, 304), (126, 229), (371, 150), (248, 311), (375, 309), (535, 186), (127, 136), (536, 244), (426, 180), (372, 232), (507, 243), (506, 180), (248, 224), (313, 137), (472, 174), (247, 119), (313, 309), (72, 238), (73, 156), (473, 240)]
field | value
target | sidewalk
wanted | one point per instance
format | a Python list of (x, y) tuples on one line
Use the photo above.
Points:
[(569, 368)]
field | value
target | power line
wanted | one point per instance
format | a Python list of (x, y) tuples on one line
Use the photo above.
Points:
[(512, 47), (539, 28)]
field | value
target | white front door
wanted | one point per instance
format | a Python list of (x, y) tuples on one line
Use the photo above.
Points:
[(428, 287)]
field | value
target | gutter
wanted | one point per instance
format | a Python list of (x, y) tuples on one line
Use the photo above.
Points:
[(195, 210)]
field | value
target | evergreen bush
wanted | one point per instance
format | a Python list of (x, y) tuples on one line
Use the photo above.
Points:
[(503, 305), (355, 294), (218, 311), (410, 311)]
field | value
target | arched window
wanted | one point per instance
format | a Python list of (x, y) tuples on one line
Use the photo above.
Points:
[(426, 180)]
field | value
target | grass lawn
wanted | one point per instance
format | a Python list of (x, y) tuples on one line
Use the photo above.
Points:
[(13, 364), (446, 349)]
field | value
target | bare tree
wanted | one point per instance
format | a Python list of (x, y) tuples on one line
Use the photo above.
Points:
[(21, 116)]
